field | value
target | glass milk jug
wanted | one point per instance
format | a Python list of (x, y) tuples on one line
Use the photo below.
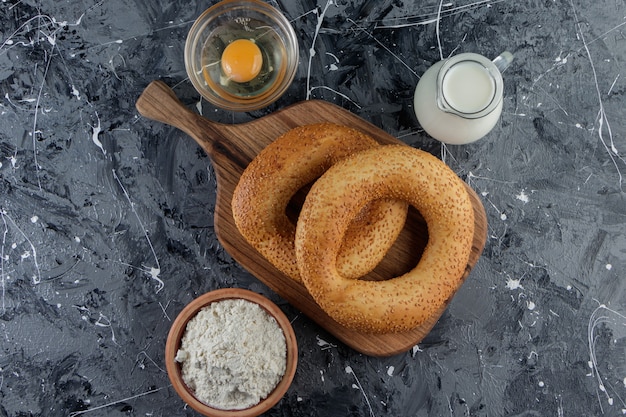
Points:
[(459, 100)]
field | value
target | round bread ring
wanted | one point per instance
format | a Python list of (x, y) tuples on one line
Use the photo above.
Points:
[(291, 162), (401, 303)]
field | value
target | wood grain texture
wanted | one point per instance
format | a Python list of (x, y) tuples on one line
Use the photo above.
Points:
[(232, 147)]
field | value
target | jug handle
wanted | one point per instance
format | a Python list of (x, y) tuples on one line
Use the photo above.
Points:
[(503, 61)]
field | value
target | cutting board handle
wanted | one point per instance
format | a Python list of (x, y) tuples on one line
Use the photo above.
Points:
[(158, 102)]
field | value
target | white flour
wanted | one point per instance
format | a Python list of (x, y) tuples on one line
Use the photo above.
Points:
[(233, 354)]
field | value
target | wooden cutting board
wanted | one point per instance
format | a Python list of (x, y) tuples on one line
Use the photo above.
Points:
[(230, 149)]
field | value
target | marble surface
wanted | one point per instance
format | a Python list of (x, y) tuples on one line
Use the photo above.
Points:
[(106, 228)]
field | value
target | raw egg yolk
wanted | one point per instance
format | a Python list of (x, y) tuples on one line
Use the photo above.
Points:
[(242, 60)]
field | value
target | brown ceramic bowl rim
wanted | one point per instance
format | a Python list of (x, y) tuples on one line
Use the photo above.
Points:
[(178, 329)]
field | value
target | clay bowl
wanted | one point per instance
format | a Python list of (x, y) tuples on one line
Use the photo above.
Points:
[(178, 329)]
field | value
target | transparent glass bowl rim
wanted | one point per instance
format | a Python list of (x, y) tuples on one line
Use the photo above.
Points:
[(285, 32)]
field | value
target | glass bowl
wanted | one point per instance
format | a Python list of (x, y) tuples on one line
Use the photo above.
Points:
[(179, 327), (250, 20)]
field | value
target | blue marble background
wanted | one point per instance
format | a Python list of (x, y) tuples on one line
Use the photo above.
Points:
[(106, 227)]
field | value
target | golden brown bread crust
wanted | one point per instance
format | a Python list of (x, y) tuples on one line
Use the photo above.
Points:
[(290, 163), (392, 171)]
